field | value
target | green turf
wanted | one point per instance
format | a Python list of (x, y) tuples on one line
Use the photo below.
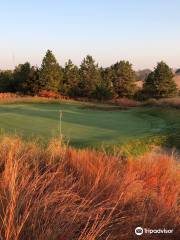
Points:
[(85, 126)]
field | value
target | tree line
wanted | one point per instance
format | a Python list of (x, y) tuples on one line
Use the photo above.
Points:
[(88, 80)]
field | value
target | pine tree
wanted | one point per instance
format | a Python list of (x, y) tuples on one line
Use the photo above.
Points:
[(123, 78), (50, 73), (31, 85), (160, 82), (21, 74), (89, 76), (6, 81), (71, 80), (26, 79), (104, 89)]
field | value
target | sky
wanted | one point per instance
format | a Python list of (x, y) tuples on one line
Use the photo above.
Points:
[(143, 32)]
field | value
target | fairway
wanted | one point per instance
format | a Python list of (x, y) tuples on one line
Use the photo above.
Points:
[(84, 126)]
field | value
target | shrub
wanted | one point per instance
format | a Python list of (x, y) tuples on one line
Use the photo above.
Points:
[(7, 95), (151, 102), (48, 94)]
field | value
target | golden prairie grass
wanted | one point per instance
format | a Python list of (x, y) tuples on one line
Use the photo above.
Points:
[(60, 193)]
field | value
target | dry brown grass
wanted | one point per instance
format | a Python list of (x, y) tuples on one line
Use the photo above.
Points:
[(30, 99), (125, 102), (164, 102), (60, 193)]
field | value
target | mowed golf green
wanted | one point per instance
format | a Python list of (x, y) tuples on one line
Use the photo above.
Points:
[(84, 126)]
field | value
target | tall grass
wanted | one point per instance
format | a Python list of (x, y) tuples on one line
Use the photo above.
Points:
[(164, 102), (50, 97), (126, 102), (60, 193)]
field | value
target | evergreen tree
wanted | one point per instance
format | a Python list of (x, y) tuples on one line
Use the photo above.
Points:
[(160, 82), (149, 87), (104, 89), (21, 74), (123, 78), (89, 76), (107, 75), (50, 77), (71, 80), (31, 85), (6, 81), (26, 79)]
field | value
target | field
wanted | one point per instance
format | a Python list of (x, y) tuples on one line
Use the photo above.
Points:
[(86, 125)]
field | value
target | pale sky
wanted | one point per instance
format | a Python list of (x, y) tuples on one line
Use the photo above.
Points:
[(141, 31)]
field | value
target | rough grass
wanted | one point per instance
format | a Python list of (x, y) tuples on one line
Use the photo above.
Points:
[(60, 193), (164, 102), (125, 102), (28, 99)]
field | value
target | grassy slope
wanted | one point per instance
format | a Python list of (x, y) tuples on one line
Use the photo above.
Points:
[(83, 126)]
